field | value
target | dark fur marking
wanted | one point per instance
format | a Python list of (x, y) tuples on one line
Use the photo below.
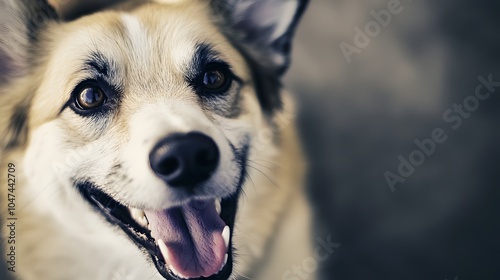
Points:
[(35, 14), (102, 70), (39, 12), (6, 68), (267, 84), (117, 166), (203, 55), (224, 103), (17, 127), (98, 63)]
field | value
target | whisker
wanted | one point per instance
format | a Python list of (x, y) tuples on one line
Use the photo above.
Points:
[(244, 276), (239, 273), (264, 174), (270, 162), (251, 180), (267, 167)]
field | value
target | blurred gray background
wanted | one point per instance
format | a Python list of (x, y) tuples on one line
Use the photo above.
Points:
[(357, 118), (443, 222)]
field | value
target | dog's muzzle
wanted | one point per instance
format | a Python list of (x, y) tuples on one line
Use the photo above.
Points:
[(188, 241)]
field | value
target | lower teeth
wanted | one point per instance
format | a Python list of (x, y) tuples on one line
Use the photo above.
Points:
[(224, 264), (218, 206), (139, 217)]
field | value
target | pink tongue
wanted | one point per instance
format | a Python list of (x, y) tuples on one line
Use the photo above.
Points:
[(193, 235)]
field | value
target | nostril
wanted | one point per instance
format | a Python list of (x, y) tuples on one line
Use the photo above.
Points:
[(168, 166)]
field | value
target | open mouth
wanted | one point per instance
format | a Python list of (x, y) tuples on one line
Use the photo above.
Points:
[(191, 241)]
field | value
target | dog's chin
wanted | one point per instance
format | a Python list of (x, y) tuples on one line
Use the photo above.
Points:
[(191, 241)]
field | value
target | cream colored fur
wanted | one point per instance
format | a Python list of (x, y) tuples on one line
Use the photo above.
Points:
[(59, 235)]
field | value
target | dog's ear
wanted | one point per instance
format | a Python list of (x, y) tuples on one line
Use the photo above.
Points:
[(20, 24), (263, 31), (263, 28)]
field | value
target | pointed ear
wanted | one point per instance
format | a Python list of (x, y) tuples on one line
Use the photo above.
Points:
[(20, 23), (264, 29)]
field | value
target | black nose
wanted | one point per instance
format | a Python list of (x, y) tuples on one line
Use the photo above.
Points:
[(184, 160)]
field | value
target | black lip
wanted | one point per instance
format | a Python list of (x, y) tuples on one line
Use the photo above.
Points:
[(118, 214)]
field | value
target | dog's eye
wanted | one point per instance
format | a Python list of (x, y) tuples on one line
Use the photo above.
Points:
[(90, 97), (215, 78)]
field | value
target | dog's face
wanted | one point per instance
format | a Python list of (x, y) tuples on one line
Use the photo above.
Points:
[(158, 106)]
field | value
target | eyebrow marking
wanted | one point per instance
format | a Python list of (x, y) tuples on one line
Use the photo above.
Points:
[(204, 55), (224, 105), (97, 63)]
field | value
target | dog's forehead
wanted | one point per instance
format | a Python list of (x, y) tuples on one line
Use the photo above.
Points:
[(149, 49), (153, 39), (167, 35), (153, 36)]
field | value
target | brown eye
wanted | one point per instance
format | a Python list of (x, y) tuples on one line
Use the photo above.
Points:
[(214, 79), (90, 98)]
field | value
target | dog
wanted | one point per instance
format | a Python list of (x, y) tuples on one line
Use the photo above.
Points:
[(151, 140)]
